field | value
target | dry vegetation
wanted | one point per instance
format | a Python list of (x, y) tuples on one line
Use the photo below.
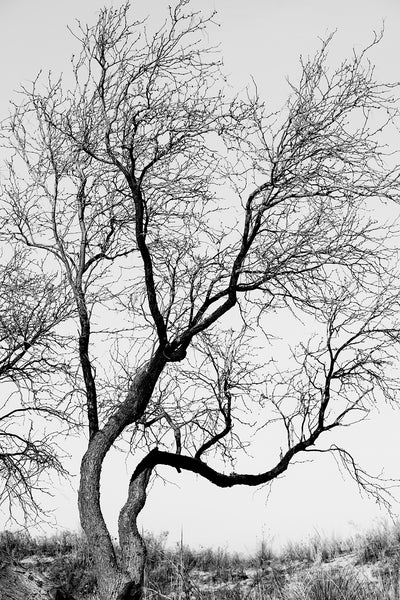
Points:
[(364, 567)]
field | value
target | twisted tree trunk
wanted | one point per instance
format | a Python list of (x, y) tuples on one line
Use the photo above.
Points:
[(118, 578)]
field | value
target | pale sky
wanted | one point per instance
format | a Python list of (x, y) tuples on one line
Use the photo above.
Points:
[(262, 39)]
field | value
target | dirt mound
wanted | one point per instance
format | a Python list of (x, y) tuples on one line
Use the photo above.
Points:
[(19, 583)]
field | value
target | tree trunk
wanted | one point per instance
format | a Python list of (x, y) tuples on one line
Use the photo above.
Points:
[(133, 549), (118, 579), (110, 579)]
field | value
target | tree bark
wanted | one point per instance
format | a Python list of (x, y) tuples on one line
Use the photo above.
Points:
[(133, 549), (118, 579), (92, 521)]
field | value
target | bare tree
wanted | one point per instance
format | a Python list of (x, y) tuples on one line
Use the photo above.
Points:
[(32, 306), (182, 219)]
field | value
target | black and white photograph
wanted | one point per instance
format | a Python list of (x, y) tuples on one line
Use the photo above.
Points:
[(200, 300)]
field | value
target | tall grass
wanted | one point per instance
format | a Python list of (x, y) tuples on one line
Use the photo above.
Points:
[(317, 548), (364, 567), (333, 584), (379, 543)]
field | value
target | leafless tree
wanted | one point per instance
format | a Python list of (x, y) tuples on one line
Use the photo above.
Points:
[(33, 305), (184, 220)]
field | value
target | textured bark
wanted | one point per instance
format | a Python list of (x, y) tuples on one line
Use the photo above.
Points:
[(114, 578), (92, 520), (132, 546)]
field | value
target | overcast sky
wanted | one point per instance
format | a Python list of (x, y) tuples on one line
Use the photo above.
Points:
[(262, 39)]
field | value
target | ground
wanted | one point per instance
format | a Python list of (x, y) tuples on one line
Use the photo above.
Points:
[(365, 568)]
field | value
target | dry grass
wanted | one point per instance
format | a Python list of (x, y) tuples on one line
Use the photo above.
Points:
[(365, 567)]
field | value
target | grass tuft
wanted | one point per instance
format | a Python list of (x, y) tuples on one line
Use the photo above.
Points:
[(365, 567), (333, 584)]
